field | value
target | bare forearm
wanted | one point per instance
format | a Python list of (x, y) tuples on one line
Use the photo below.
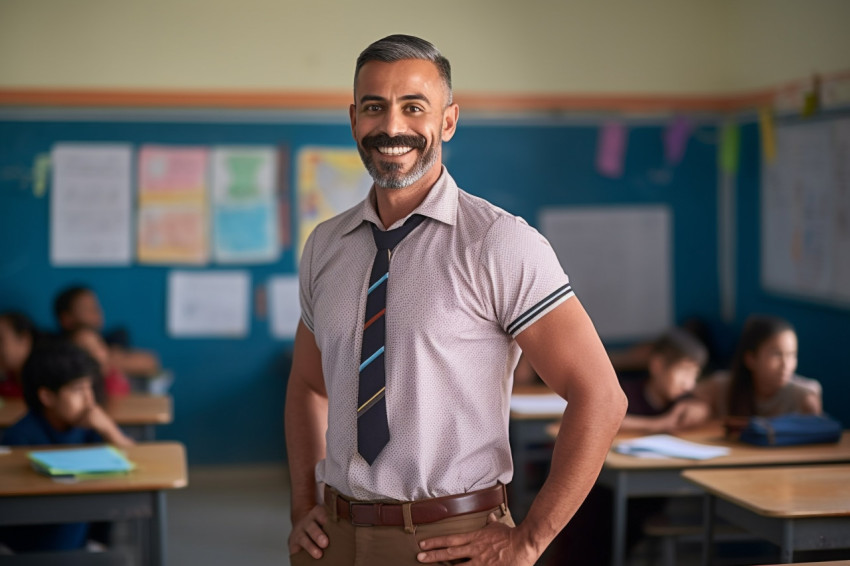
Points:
[(135, 362), (305, 425), (587, 430)]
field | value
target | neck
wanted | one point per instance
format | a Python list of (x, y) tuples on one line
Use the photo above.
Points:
[(55, 422), (395, 204)]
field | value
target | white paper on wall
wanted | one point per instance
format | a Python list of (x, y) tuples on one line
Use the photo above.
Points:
[(208, 304)]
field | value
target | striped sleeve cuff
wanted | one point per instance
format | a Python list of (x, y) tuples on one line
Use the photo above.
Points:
[(544, 306)]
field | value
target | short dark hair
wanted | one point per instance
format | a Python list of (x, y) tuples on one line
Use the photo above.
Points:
[(66, 298), (21, 324), (54, 364), (678, 345), (399, 47)]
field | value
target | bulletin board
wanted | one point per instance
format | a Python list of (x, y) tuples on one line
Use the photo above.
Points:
[(805, 212)]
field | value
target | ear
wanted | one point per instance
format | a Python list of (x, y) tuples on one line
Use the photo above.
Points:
[(47, 397), (352, 115), (450, 115)]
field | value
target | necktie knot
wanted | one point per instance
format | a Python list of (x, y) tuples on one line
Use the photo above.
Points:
[(390, 239)]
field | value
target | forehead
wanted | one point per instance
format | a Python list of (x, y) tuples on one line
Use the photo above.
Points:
[(400, 78), (786, 340)]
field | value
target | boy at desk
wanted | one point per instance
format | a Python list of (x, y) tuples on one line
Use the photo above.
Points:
[(662, 401), (57, 381), (79, 306)]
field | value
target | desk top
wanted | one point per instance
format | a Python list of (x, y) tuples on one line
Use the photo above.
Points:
[(133, 409), (740, 454), (783, 492), (159, 465)]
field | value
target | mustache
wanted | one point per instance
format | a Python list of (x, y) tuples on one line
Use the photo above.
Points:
[(384, 140)]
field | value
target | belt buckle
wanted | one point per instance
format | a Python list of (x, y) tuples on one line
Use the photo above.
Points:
[(353, 504)]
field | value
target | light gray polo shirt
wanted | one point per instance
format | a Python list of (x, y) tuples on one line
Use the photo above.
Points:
[(462, 285)]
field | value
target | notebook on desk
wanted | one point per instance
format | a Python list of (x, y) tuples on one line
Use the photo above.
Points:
[(79, 463)]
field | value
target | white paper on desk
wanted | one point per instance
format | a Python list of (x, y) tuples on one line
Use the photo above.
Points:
[(90, 204), (665, 445), (208, 303), (538, 404), (284, 306)]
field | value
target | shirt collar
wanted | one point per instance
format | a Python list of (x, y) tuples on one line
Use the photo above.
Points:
[(439, 204)]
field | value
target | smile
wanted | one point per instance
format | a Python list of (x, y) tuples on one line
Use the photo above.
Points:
[(394, 150)]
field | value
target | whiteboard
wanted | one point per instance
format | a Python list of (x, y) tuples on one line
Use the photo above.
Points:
[(805, 212), (619, 263)]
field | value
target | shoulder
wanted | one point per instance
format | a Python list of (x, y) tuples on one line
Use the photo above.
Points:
[(805, 385), (27, 431), (334, 228)]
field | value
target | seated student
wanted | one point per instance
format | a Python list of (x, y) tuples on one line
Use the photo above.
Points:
[(17, 336), (78, 306), (57, 381), (115, 382), (659, 402), (762, 380), (662, 401)]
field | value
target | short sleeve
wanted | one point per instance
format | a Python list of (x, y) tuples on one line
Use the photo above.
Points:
[(523, 278), (305, 286)]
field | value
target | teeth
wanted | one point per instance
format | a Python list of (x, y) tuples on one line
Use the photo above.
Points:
[(394, 150)]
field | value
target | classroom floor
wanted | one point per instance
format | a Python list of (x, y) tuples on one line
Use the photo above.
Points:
[(240, 515), (230, 515)]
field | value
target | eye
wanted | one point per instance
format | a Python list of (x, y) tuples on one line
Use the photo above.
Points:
[(372, 108), (415, 109)]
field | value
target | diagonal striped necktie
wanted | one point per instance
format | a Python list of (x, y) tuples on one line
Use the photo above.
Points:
[(373, 431)]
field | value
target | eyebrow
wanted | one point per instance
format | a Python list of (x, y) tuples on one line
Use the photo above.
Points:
[(376, 98)]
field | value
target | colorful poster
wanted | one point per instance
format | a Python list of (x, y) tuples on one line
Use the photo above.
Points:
[(173, 224), (90, 204), (245, 220), (330, 181)]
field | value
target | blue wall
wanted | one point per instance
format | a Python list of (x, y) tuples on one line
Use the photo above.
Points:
[(229, 394), (823, 331)]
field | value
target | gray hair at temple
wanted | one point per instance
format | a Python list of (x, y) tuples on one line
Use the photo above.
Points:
[(399, 47)]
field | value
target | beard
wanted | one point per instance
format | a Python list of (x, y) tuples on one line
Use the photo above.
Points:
[(388, 174)]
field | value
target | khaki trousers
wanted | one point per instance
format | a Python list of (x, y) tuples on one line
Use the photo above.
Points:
[(390, 546)]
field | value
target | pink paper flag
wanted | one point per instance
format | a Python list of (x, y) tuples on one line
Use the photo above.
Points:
[(611, 149), (676, 139)]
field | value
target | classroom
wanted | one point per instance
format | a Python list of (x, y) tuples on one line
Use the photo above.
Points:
[(686, 160)]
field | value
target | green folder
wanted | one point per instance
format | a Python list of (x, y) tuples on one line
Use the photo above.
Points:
[(81, 463)]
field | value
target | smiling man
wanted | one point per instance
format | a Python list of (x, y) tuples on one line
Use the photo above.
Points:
[(415, 305)]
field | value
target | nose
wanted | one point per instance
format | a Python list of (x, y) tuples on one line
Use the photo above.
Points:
[(394, 123)]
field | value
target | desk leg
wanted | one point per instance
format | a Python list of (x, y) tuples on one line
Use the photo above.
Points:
[(158, 530), (786, 549), (620, 508), (708, 533)]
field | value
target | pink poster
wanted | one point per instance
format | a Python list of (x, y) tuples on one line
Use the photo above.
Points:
[(611, 149)]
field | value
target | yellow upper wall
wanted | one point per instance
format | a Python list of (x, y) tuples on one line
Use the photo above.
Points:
[(505, 46)]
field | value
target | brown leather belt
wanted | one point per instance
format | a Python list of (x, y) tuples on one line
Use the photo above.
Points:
[(365, 514)]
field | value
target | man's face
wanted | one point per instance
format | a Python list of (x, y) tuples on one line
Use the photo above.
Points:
[(399, 119)]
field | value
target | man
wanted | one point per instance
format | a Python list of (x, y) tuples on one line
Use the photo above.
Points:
[(405, 427)]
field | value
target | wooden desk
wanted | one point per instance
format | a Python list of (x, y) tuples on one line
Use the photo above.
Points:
[(629, 476), (28, 498), (530, 444), (796, 508), (137, 414)]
